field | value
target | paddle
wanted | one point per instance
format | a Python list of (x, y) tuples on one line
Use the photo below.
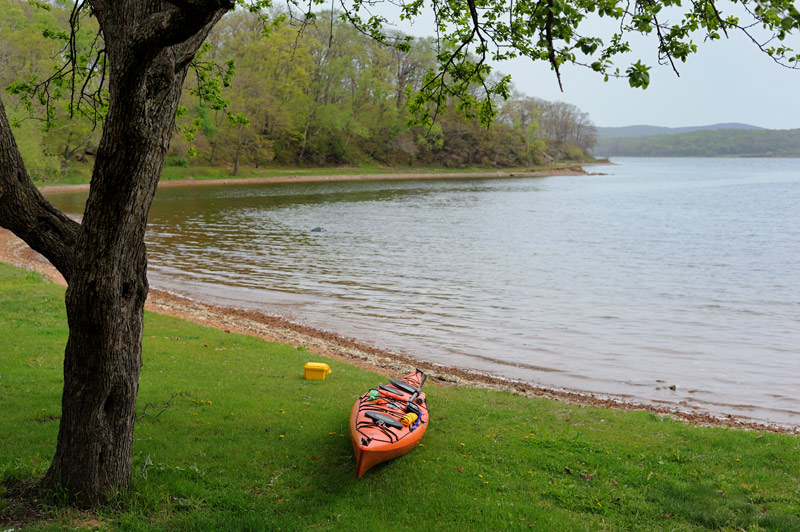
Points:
[(416, 392)]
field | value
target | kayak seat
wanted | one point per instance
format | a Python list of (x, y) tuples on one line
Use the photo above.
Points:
[(377, 417), (403, 386)]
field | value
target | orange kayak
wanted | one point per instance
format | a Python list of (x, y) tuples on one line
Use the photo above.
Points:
[(388, 421)]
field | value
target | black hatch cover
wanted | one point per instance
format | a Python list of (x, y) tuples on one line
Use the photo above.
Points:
[(390, 389), (377, 417), (403, 386)]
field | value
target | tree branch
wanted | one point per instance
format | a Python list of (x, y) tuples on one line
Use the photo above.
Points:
[(663, 45), (551, 53), (176, 25), (719, 17), (27, 213)]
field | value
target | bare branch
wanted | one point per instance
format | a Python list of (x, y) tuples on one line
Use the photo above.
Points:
[(551, 53), (663, 46), (719, 17)]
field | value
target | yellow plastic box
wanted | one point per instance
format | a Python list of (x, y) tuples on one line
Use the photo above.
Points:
[(316, 371)]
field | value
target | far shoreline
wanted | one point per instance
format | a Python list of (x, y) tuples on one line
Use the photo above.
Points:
[(566, 170)]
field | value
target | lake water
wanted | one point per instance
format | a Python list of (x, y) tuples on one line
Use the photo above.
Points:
[(659, 273)]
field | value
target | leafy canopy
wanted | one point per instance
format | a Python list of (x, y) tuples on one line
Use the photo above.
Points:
[(469, 35)]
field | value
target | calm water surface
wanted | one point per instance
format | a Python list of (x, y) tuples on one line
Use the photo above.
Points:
[(661, 273)]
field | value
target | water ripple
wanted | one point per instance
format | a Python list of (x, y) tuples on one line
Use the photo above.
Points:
[(664, 272)]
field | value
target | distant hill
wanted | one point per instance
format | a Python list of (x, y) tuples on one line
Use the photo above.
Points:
[(649, 131), (753, 142)]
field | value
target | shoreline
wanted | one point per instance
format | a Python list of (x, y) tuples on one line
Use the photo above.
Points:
[(322, 178), (352, 351)]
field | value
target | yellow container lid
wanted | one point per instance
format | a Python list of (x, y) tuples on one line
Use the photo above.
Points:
[(318, 366), (316, 371)]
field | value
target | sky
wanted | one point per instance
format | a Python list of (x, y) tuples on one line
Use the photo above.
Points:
[(726, 81)]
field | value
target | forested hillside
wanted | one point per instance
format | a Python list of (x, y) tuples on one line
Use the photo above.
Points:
[(719, 143), (330, 96), (650, 131)]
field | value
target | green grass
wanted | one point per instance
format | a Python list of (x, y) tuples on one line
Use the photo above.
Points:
[(244, 443)]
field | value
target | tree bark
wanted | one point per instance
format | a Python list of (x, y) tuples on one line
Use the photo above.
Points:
[(238, 150), (105, 297), (149, 45), (26, 213)]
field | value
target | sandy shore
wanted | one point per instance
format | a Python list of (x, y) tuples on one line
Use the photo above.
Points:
[(328, 344), (321, 178)]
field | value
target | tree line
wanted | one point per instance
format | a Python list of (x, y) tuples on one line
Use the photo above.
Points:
[(717, 143), (332, 96)]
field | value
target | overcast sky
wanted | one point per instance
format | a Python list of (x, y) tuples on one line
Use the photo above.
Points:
[(727, 81)]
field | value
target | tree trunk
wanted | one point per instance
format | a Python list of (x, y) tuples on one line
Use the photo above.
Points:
[(149, 46), (86, 147), (238, 150), (305, 139), (106, 294), (66, 156), (213, 150), (101, 373)]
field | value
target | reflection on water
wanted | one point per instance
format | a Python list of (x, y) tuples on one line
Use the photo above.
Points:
[(663, 272)]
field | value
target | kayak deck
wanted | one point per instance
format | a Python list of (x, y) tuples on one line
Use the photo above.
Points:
[(388, 421)]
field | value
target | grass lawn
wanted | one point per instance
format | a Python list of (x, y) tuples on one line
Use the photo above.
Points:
[(230, 437)]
